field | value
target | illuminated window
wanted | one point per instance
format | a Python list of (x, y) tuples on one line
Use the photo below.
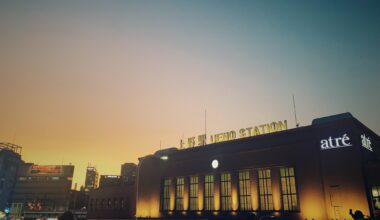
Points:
[(165, 195), (193, 195), (180, 186), (376, 197), (209, 193), (245, 191), (288, 189), (225, 191), (265, 190)]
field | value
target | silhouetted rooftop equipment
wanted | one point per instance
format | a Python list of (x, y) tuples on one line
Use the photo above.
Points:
[(9, 146)]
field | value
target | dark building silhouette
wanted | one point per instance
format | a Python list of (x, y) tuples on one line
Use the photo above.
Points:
[(109, 180), (91, 181), (128, 172), (115, 198), (320, 171), (10, 159), (112, 202), (78, 203), (43, 190)]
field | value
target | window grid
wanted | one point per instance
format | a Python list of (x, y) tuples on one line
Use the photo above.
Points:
[(209, 193), (265, 190), (180, 186), (376, 197), (226, 200), (288, 189), (245, 191), (193, 195), (165, 196)]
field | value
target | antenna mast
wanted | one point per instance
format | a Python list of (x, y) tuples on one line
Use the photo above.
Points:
[(205, 127), (295, 113)]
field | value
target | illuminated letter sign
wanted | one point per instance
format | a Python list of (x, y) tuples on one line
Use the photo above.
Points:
[(366, 142), (232, 135), (338, 142)]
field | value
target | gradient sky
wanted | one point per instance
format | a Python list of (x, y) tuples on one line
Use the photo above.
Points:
[(104, 82)]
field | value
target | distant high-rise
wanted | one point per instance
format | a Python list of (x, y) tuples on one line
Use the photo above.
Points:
[(109, 180), (91, 178), (128, 172), (10, 159)]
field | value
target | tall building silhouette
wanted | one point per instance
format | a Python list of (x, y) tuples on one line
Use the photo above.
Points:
[(91, 181), (10, 159), (128, 172)]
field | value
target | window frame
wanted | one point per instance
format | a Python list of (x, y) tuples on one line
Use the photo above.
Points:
[(248, 196), (268, 196), (193, 196), (297, 208), (179, 190), (165, 195), (375, 197), (225, 192), (212, 193)]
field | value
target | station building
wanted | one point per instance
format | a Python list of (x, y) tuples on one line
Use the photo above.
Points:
[(320, 171)]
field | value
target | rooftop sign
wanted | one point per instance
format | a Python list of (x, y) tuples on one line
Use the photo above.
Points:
[(202, 139), (338, 142), (46, 170), (366, 142)]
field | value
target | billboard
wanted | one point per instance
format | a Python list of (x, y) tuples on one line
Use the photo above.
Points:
[(46, 170), (55, 170)]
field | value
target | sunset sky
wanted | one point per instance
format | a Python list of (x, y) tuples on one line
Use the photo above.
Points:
[(104, 82)]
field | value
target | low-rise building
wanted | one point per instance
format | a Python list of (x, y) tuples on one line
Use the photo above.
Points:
[(43, 190), (114, 199)]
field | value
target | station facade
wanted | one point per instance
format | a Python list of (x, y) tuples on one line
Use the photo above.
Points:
[(320, 171)]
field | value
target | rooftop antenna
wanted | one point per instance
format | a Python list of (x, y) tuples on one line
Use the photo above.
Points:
[(14, 135), (205, 127), (182, 143), (295, 113)]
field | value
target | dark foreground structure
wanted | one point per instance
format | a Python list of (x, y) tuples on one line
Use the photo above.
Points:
[(10, 160), (112, 202), (314, 172), (42, 191), (116, 196)]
